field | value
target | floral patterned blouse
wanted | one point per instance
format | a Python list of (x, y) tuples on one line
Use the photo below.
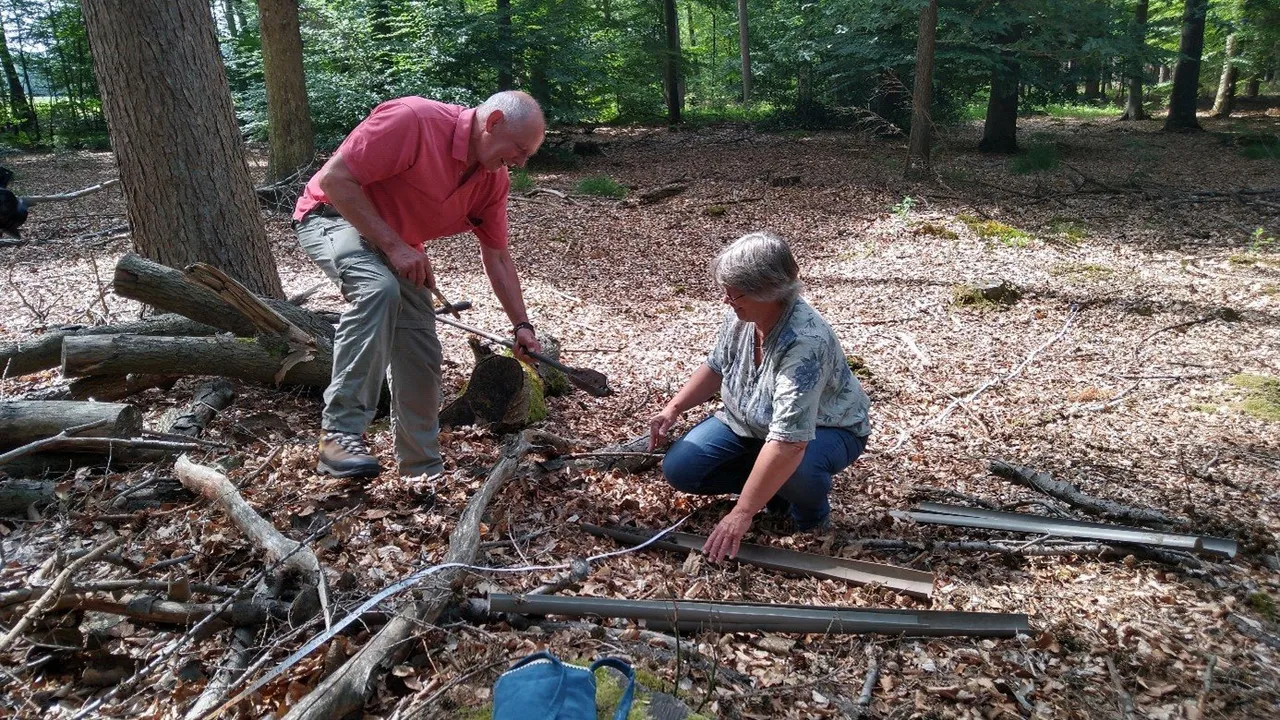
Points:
[(803, 382)]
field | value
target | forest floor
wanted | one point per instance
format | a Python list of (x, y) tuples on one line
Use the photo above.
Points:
[(1127, 398)]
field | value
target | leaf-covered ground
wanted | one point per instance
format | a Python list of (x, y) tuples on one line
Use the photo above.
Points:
[(1114, 243)]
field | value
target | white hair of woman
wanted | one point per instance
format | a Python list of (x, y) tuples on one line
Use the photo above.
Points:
[(761, 265)]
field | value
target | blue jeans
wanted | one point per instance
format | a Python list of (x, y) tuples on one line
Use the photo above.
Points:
[(712, 460)]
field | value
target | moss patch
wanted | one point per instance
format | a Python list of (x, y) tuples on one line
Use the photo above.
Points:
[(1006, 235), (1264, 606), (936, 230), (1070, 232), (1262, 395), (858, 366)]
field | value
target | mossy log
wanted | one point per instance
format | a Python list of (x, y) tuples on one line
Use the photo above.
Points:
[(502, 392)]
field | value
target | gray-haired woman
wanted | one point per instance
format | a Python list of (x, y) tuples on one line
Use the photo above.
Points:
[(794, 415)]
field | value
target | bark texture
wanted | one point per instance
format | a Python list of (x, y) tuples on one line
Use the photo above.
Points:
[(1186, 75), (289, 131), (922, 95), (182, 165), (256, 360), (1224, 102)]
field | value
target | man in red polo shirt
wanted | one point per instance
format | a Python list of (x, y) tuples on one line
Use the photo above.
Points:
[(413, 171)]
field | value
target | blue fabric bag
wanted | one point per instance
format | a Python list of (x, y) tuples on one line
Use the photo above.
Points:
[(540, 687)]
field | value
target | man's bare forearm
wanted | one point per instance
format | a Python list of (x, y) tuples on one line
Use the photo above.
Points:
[(501, 270), (349, 199)]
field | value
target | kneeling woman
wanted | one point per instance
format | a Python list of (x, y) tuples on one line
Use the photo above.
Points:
[(794, 415)]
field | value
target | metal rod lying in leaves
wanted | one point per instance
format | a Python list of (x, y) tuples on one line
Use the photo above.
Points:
[(904, 580), (759, 617), (941, 514)]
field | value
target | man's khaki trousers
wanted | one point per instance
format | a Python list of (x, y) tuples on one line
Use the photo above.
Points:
[(389, 323)]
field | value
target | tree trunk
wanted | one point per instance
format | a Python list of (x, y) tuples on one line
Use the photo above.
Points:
[(1225, 100), (1000, 131), (1186, 76), (922, 94), (672, 62), (140, 279), (163, 88), (688, 15), (289, 131), (1252, 87), (230, 9), (23, 422), (23, 116), (111, 388), (244, 358), (45, 351), (1134, 110), (505, 51), (1165, 74), (744, 48)]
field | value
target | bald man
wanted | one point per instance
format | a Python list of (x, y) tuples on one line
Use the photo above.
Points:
[(413, 171)]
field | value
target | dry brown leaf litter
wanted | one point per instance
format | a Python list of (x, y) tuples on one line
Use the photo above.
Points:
[(625, 289)]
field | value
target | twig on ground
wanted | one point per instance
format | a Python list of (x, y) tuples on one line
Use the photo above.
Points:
[(1203, 697), (1123, 700), (36, 199), (51, 595), (863, 704)]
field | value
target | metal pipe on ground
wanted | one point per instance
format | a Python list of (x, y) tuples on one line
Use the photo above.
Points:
[(1224, 547), (749, 617), (904, 580)]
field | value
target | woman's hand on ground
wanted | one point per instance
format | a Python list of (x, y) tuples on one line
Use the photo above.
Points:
[(725, 539)]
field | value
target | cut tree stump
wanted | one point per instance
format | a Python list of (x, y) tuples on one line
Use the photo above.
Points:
[(169, 289), (502, 392), (256, 360), (45, 351), (26, 421)]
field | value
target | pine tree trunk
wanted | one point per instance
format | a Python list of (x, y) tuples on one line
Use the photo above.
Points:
[(672, 65), (1134, 110), (1252, 87), (289, 130), (744, 46), (1225, 100), (1186, 76), (505, 80), (18, 105), (1000, 131), (181, 159), (230, 9), (1165, 74), (922, 94)]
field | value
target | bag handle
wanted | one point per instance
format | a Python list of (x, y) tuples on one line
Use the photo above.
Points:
[(624, 703), (558, 700)]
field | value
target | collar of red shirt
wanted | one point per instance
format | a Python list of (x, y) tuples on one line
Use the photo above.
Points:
[(462, 135)]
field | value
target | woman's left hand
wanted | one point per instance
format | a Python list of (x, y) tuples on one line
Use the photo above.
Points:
[(725, 539)]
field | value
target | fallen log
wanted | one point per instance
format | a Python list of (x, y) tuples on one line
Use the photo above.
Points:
[(1041, 481), (148, 609), (111, 388), (26, 356), (164, 287), (19, 496), (347, 689), (209, 399), (25, 421), (252, 359), (216, 488)]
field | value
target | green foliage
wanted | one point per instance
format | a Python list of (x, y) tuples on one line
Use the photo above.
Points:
[(936, 230), (601, 186), (1070, 232), (1264, 605), (521, 180), (1077, 111), (903, 207), (1036, 158), (1262, 395)]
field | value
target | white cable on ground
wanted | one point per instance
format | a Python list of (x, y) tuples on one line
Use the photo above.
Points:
[(409, 582)]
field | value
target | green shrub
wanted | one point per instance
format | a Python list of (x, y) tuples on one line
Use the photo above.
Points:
[(521, 180), (1036, 158), (601, 186)]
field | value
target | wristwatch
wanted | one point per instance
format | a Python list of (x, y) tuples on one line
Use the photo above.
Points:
[(525, 324)]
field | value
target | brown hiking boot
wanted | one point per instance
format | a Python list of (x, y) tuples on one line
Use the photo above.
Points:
[(345, 455)]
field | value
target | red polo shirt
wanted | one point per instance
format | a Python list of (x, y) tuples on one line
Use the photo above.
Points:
[(409, 156)]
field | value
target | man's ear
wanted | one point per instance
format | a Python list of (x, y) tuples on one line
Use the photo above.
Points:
[(495, 117)]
